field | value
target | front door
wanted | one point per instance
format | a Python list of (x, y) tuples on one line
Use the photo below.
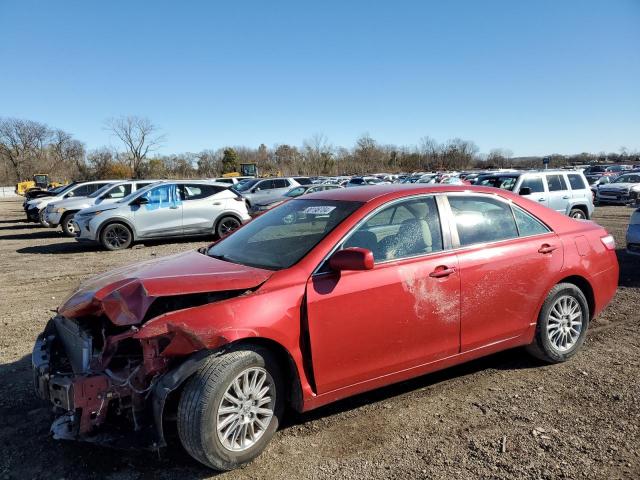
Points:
[(401, 314), (161, 216)]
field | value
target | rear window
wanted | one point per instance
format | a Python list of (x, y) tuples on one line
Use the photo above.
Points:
[(576, 182), (198, 191)]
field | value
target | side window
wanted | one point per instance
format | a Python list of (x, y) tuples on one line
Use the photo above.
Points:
[(280, 183), (198, 191), (528, 225), (162, 196), (534, 183), (576, 182), (556, 183), (265, 185), (120, 191), (405, 229), (140, 185), (482, 220)]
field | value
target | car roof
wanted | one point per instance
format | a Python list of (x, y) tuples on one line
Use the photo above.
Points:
[(396, 190)]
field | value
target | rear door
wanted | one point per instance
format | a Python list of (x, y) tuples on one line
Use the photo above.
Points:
[(505, 256), (559, 195), (200, 207), (162, 215), (399, 315)]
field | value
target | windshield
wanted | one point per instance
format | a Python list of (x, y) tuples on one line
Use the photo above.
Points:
[(244, 186), (295, 192), (282, 236), (102, 190), (133, 195), (505, 183), (66, 188), (627, 179)]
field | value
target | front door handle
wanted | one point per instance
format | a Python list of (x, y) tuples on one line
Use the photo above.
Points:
[(546, 248), (173, 207), (542, 199), (566, 197), (216, 203), (442, 271)]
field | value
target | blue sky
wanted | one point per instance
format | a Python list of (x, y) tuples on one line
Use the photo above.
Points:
[(537, 77)]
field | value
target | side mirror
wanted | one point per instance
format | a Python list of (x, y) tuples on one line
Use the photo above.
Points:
[(140, 201), (70, 194), (525, 191), (257, 189), (354, 258)]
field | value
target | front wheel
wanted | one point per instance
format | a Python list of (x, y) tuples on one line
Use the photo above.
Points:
[(230, 408), (43, 218), (67, 225), (116, 236), (562, 324)]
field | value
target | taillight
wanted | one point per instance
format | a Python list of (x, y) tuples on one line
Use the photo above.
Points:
[(609, 242)]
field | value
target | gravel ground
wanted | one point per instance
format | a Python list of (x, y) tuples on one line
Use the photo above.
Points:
[(504, 416)]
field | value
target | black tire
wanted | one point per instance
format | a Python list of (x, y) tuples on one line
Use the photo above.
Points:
[(67, 224), (116, 236), (227, 225), (41, 218), (202, 397), (543, 347), (578, 214)]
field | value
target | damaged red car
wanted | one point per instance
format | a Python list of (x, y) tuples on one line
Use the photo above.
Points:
[(321, 298)]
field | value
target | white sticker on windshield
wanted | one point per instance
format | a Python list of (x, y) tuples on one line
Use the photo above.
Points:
[(322, 210)]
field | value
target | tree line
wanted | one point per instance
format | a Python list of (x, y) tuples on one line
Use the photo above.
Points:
[(28, 147)]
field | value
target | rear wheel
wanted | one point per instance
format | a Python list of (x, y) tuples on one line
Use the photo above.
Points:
[(116, 236), (578, 214), (226, 225), (230, 408), (562, 324), (42, 218), (67, 225)]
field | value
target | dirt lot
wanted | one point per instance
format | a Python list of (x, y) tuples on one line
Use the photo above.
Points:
[(576, 420)]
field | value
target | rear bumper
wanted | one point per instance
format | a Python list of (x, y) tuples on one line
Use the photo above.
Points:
[(605, 285), (633, 239)]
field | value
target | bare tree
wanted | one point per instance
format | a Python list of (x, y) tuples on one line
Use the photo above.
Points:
[(22, 144), (139, 136)]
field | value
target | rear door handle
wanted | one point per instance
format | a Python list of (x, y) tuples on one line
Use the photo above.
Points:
[(542, 199), (546, 248), (173, 207), (442, 271), (566, 197), (216, 203)]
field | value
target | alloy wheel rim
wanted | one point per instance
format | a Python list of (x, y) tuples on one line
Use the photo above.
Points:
[(228, 226), (564, 323), (246, 409), (70, 227), (117, 236), (578, 215)]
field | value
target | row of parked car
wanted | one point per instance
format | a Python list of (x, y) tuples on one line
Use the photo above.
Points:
[(116, 213)]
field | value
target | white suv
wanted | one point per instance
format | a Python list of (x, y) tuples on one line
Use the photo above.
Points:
[(166, 209), (567, 192), (62, 212)]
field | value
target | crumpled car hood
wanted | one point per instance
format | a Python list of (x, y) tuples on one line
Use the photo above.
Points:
[(124, 295)]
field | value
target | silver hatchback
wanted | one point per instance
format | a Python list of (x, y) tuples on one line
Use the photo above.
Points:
[(166, 209)]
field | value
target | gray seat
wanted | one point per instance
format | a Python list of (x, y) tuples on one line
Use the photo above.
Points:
[(363, 239)]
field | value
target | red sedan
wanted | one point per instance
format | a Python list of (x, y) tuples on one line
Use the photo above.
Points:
[(323, 297)]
